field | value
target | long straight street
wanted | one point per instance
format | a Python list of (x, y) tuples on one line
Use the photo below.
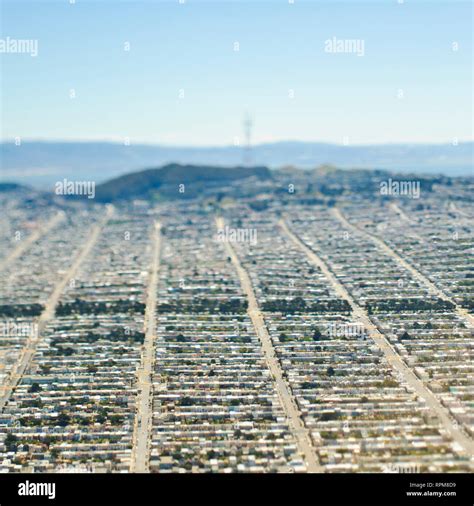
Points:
[(393, 358), (48, 312), (144, 416), (295, 419)]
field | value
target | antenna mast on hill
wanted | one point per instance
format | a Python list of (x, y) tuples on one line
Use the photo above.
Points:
[(247, 153)]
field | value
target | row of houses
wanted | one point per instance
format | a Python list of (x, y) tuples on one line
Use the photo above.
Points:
[(75, 406), (361, 414)]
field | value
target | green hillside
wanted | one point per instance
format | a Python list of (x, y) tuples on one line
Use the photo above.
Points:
[(165, 181)]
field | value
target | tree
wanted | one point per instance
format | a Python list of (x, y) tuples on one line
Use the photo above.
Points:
[(328, 416), (186, 401), (330, 371), (34, 388), (63, 419), (317, 334), (11, 442)]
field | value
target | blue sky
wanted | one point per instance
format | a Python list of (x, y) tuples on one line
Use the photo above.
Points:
[(337, 97)]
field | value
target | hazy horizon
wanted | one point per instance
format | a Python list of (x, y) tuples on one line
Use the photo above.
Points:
[(228, 145), (42, 163)]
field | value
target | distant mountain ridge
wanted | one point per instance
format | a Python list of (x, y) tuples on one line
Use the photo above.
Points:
[(167, 180), (43, 163)]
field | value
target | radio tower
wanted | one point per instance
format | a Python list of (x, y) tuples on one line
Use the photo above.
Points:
[(247, 153)]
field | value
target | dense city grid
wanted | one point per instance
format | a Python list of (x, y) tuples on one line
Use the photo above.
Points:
[(326, 337)]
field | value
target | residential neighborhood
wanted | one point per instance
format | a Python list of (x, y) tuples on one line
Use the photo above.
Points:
[(297, 328)]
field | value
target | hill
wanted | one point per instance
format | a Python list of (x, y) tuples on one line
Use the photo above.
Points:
[(9, 187), (165, 181)]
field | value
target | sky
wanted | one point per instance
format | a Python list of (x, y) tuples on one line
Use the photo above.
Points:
[(188, 73)]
